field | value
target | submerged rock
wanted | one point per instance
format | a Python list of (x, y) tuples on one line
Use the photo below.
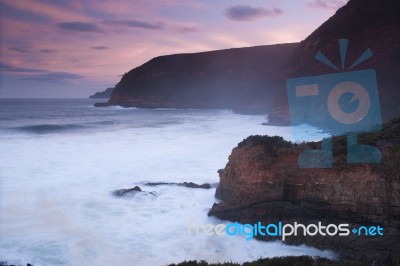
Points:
[(184, 184), (130, 192)]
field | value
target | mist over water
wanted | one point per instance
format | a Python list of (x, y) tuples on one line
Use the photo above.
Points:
[(61, 159)]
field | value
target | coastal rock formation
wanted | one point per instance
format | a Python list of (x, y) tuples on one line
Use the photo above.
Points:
[(276, 261), (131, 192), (243, 79), (184, 184), (367, 24), (262, 182)]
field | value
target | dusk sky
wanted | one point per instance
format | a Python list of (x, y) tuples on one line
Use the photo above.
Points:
[(74, 48)]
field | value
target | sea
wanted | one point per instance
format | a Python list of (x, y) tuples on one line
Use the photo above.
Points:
[(61, 159)]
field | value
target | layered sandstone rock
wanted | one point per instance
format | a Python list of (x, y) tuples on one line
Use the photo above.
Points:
[(262, 182)]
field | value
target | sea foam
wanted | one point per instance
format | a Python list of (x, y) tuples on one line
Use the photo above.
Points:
[(56, 203)]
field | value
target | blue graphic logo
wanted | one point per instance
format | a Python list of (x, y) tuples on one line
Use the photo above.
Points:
[(342, 103)]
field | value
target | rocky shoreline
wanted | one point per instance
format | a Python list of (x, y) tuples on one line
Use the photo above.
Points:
[(278, 261), (262, 182)]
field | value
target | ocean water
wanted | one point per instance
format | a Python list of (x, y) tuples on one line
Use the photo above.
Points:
[(60, 159)]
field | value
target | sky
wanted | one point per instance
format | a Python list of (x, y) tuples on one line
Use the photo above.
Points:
[(58, 48)]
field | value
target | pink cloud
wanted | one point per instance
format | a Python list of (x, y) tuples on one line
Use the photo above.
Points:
[(47, 10)]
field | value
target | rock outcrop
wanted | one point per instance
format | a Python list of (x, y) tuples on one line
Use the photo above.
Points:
[(276, 261), (183, 184), (262, 182), (124, 192)]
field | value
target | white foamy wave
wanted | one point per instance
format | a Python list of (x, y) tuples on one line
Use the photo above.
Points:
[(118, 107)]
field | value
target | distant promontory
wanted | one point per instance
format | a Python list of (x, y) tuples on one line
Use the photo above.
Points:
[(106, 94)]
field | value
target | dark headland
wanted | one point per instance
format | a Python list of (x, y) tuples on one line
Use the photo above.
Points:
[(230, 79)]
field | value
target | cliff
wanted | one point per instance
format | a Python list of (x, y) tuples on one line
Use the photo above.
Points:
[(242, 79), (106, 94), (262, 182), (373, 24)]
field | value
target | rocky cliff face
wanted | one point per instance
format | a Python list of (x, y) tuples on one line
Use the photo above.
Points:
[(262, 182), (243, 79), (366, 24)]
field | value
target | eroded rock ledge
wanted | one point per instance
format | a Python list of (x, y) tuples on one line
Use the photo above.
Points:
[(262, 182)]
